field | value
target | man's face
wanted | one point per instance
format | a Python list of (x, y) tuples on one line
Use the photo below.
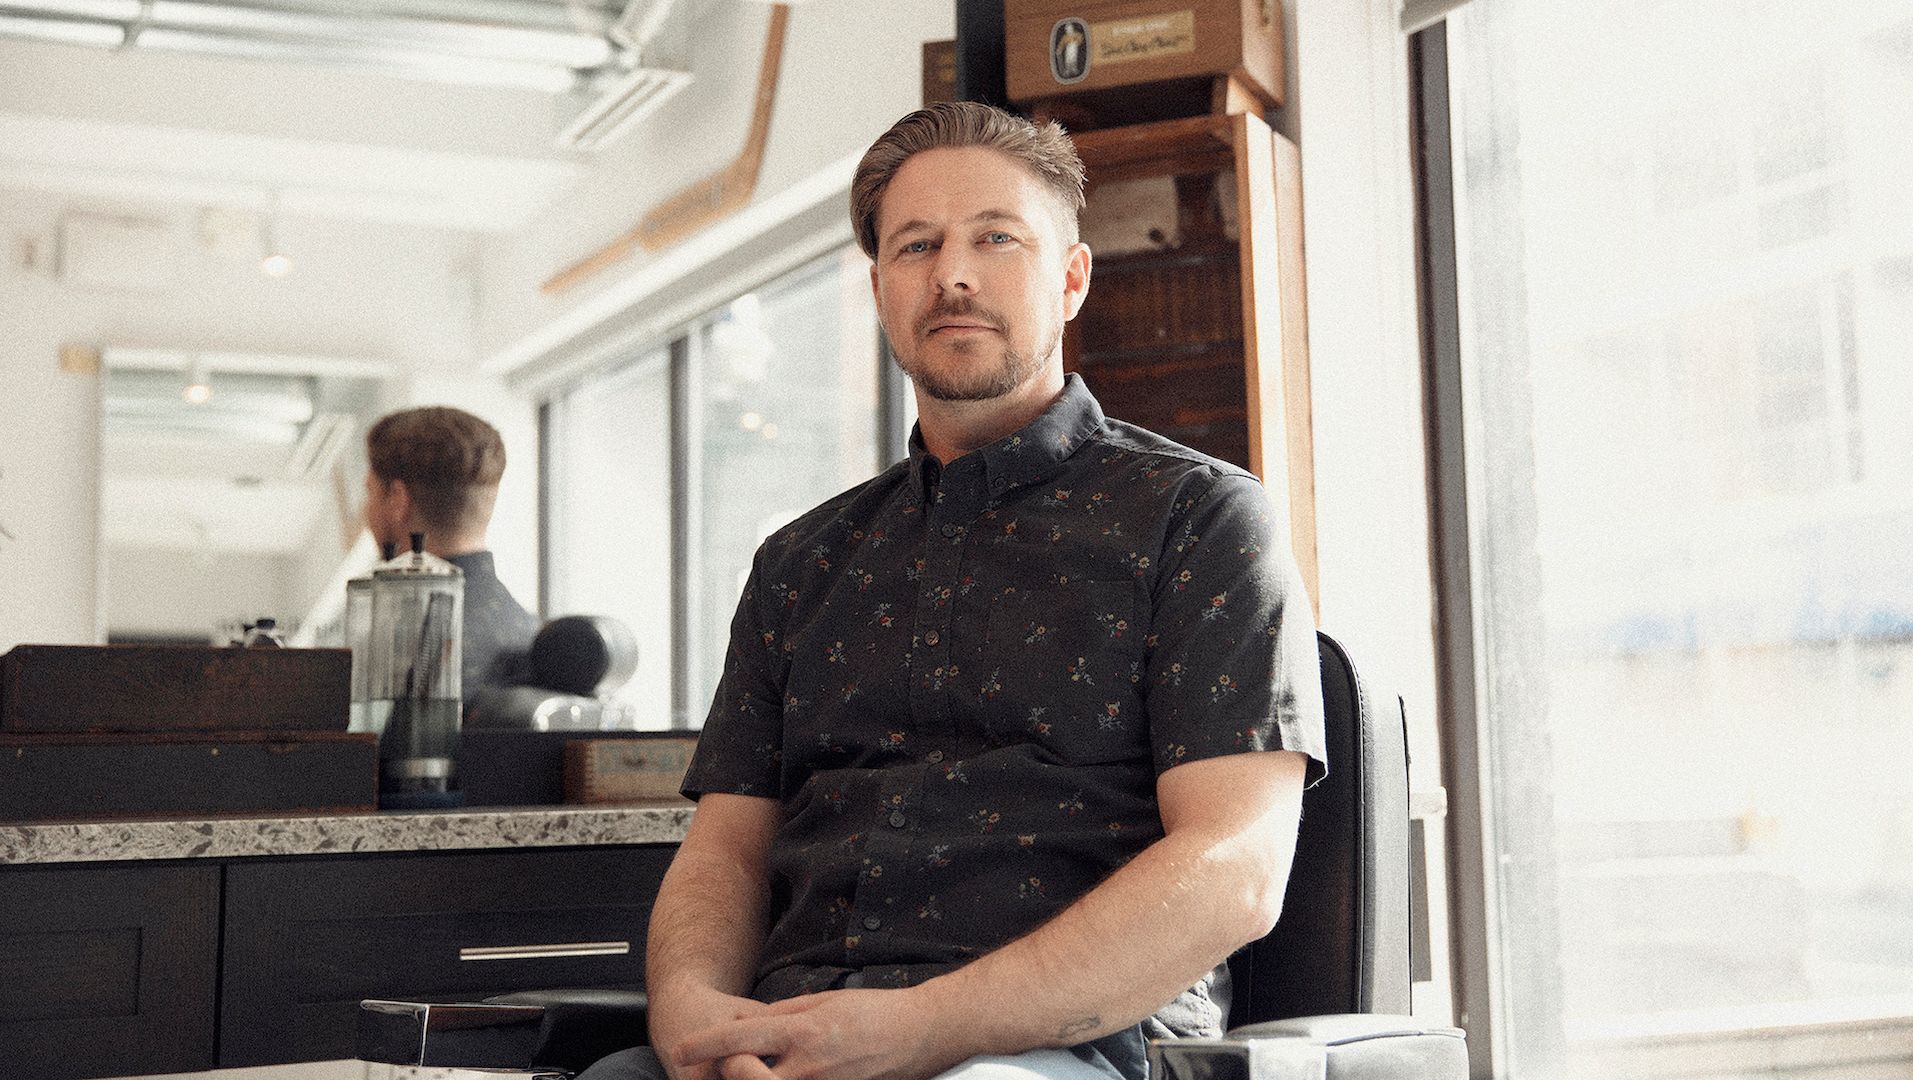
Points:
[(973, 278)]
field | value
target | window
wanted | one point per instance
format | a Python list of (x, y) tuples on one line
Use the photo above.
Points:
[(665, 472), (788, 415), (1685, 492), (607, 516)]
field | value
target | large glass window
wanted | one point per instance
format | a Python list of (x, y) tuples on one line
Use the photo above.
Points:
[(788, 415), (608, 516), (1684, 259), (666, 472)]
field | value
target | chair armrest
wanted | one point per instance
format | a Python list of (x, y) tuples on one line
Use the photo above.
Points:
[(1350, 1046), (473, 1036), (582, 1025), (523, 1032), (1237, 1059)]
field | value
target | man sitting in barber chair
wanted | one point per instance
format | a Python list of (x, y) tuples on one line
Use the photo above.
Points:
[(1009, 751)]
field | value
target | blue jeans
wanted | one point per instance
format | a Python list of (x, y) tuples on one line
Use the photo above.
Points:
[(1085, 1062)]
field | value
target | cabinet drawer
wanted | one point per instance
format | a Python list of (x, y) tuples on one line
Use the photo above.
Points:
[(307, 939), (107, 972)]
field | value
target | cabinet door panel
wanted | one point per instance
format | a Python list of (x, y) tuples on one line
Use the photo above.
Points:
[(307, 939), (107, 971)]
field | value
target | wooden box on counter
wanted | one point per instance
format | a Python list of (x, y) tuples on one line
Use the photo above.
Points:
[(1058, 47), (91, 776), (166, 688)]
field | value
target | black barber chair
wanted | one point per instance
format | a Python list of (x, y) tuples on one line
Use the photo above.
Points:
[(1322, 997)]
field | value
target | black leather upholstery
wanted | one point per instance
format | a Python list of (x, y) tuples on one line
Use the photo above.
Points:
[(1341, 945), (581, 1026)]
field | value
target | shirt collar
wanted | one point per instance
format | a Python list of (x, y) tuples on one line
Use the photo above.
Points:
[(1027, 456), (476, 564)]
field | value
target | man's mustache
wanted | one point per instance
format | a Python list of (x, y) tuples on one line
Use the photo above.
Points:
[(962, 308)]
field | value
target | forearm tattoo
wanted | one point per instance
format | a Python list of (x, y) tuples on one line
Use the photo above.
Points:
[(1078, 1026)]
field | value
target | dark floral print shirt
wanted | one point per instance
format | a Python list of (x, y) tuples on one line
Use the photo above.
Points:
[(962, 681)]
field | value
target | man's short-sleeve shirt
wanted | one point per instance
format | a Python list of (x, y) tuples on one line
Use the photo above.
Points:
[(962, 681)]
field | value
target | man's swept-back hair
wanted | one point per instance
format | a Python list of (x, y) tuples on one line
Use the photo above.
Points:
[(1043, 149), (450, 460)]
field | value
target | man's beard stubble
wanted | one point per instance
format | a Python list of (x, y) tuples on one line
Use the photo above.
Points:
[(1014, 370)]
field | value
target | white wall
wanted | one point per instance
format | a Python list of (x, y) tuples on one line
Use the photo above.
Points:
[(171, 592), (1350, 106), (381, 291), (49, 457), (1348, 110)]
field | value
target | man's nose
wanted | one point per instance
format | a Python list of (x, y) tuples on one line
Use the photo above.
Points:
[(955, 273)]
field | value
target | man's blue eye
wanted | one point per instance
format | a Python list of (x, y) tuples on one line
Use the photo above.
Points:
[(999, 238), (917, 247)]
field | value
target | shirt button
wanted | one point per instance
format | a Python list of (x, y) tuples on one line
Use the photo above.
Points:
[(897, 819), (951, 530), (871, 922), (932, 638), (934, 756)]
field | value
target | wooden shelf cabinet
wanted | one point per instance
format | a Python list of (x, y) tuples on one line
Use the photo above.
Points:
[(1195, 326)]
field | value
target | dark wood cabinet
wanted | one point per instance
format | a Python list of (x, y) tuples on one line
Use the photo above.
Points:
[(136, 968), (108, 971), (306, 939)]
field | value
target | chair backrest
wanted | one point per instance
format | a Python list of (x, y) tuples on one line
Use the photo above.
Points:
[(1341, 945)]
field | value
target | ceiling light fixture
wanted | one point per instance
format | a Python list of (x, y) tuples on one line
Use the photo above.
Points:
[(273, 262), (199, 382), (595, 55), (542, 45), (63, 31)]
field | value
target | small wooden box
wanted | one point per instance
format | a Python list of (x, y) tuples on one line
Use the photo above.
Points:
[(159, 688), (1058, 47), (627, 770)]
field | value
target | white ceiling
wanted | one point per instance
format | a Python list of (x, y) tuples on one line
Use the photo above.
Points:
[(320, 143)]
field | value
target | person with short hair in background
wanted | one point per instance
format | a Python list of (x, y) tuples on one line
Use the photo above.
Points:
[(436, 470)]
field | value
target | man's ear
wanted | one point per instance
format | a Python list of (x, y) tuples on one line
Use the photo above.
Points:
[(1076, 266), (398, 505)]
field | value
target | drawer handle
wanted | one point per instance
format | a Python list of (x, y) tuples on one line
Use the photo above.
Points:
[(542, 952)]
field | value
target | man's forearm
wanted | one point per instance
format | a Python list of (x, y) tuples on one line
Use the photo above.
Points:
[(1127, 947), (1148, 932), (710, 919), (707, 925)]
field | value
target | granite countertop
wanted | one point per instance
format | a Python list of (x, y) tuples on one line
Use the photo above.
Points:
[(334, 834)]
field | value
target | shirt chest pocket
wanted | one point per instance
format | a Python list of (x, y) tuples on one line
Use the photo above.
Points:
[(1062, 663)]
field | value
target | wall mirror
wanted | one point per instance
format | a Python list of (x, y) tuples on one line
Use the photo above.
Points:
[(231, 487)]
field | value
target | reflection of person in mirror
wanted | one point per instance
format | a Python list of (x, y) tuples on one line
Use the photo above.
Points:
[(436, 470)]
